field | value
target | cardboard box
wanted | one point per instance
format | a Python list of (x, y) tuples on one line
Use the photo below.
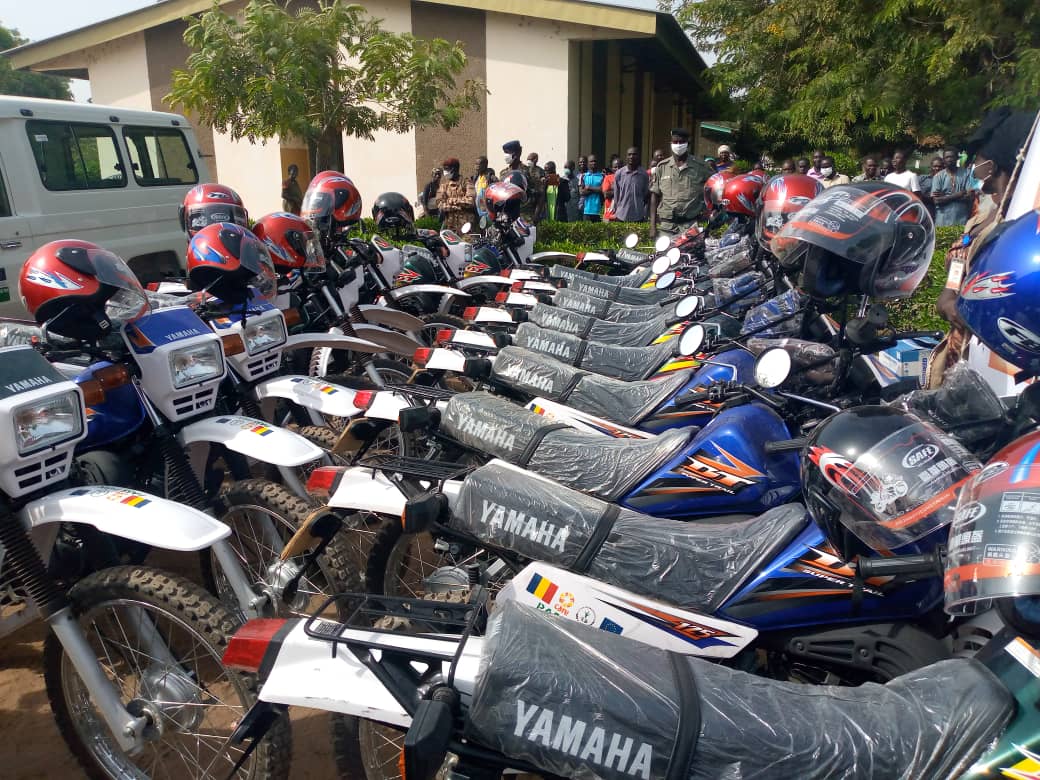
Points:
[(908, 358)]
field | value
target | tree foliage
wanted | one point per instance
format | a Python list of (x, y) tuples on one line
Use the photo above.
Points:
[(24, 82), (317, 73), (862, 72)]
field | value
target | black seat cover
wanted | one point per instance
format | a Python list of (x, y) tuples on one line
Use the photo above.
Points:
[(590, 462), (624, 334), (621, 402), (603, 308), (627, 363), (557, 693), (634, 296), (634, 279), (695, 565)]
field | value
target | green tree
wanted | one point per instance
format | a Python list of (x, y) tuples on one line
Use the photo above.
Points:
[(861, 72), (24, 82), (316, 74)]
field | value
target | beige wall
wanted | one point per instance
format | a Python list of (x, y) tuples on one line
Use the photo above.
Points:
[(254, 171), (119, 73)]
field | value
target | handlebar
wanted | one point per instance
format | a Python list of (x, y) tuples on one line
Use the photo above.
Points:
[(923, 565), (788, 445)]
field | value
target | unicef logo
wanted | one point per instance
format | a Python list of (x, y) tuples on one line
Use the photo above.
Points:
[(922, 453)]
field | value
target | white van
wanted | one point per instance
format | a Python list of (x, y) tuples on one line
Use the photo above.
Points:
[(105, 174)]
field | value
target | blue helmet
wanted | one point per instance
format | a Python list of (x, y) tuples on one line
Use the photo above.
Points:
[(998, 300)]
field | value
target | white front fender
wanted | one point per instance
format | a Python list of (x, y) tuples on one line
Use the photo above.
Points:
[(252, 438), (367, 489), (129, 514), (332, 341), (419, 289), (311, 393), (539, 257), (523, 273), (474, 281)]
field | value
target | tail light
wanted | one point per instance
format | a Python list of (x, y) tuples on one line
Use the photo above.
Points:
[(580, 256), (324, 480), (422, 356), (249, 645), (501, 297), (470, 313), (444, 336), (364, 398), (517, 287)]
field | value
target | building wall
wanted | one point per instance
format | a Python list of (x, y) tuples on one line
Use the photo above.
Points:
[(119, 73)]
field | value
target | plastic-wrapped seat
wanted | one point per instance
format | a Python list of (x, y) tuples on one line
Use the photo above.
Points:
[(625, 334), (580, 702), (602, 308), (628, 363), (692, 565), (634, 279), (635, 296), (600, 465), (622, 402)]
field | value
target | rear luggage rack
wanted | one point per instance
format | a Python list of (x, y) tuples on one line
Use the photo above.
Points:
[(425, 392), (438, 470)]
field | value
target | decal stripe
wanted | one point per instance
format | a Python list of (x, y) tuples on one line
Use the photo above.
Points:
[(136, 501), (1021, 472)]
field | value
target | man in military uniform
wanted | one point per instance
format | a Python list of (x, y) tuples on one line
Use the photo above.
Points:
[(677, 188), (455, 198), (526, 178)]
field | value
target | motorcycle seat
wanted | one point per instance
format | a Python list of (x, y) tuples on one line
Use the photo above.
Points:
[(633, 296), (627, 363), (599, 465), (625, 334), (634, 279), (616, 400), (603, 308), (543, 680)]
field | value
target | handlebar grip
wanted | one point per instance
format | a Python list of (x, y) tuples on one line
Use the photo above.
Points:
[(788, 445), (927, 564), (692, 398)]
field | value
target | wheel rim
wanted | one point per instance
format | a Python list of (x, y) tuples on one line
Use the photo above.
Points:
[(263, 567), (185, 741), (380, 747), (413, 560)]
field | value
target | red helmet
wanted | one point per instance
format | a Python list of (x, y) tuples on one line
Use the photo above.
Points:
[(77, 288), (206, 204), (503, 201), (781, 198), (331, 203), (713, 188), (292, 242), (740, 194), (226, 260)]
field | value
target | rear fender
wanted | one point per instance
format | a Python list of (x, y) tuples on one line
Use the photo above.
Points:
[(492, 314), (517, 274), (476, 281), (520, 299), (365, 489), (473, 338), (390, 318), (446, 360), (389, 340), (253, 438), (311, 393), (387, 405), (129, 514)]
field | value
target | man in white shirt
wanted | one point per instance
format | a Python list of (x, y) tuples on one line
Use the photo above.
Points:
[(900, 176)]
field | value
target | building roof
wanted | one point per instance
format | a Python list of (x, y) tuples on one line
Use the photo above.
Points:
[(53, 54)]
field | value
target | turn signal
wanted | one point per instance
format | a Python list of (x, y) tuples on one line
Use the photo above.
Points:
[(444, 336), (233, 344), (93, 392), (470, 312), (292, 317), (517, 287), (249, 645), (501, 297), (422, 357), (364, 398), (113, 376)]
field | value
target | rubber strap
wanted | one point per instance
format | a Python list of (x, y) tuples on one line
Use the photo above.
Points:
[(688, 729), (615, 294), (536, 439), (592, 545), (580, 353), (584, 334), (572, 385)]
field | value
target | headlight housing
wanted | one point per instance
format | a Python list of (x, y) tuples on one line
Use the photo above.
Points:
[(264, 334), (47, 422), (197, 363)]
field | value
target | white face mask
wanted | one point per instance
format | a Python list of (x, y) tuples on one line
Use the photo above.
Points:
[(509, 159), (679, 149), (828, 172)]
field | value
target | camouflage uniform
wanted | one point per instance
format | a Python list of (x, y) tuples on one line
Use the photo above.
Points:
[(455, 198), (680, 193), (535, 178)]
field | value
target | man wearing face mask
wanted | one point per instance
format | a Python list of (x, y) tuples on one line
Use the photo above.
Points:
[(525, 178), (455, 197), (677, 188), (829, 175), (482, 178), (951, 192)]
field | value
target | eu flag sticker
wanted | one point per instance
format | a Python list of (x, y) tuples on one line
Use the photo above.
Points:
[(609, 625)]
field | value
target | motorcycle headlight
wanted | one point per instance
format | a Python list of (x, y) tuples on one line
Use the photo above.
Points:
[(47, 422), (264, 335), (197, 363)]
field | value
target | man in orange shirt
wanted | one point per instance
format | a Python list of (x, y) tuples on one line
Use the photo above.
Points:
[(608, 189)]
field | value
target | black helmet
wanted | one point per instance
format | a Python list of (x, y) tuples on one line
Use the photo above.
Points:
[(392, 210), (877, 479), (418, 266)]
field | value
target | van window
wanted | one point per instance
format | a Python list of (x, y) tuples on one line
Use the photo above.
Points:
[(5, 204), (75, 155), (160, 156)]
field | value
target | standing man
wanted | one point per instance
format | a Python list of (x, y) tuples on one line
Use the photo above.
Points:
[(455, 197), (292, 196), (802, 166), (537, 172), (829, 174), (725, 158), (787, 166), (655, 161), (677, 191), (592, 189), (570, 173), (482, 178), (817, 161), (884, 167), (900, 176), (525, 178), (428, 197), (870, 170), (608, 189), (583, 168), (631, 189), (951, 192)]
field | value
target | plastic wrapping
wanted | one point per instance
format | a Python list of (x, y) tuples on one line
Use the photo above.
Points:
[(628, 363), (623, 402), (625, 334), (15, 334), (964, 405), (584, 703), (737, 263), (775, 316), (803, 353), (691, 565), (612, 291), (634, 279), (728, 292), (604, 309), (600, 465), (718, 254)]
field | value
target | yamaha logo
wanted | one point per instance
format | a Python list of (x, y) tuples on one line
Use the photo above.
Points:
[(919, 455)]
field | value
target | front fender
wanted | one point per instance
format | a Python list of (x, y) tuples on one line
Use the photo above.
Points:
[(390, 340), (390, 318), (252, 438), (420, 289), (476, 281), (311, 393), (129, 514), (332, 341), (367, 489), (523, 273), (539, 257)]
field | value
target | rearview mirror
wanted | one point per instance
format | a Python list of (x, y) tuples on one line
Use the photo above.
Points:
[(666, 280), (662, 243), (688, 306), (772, 368), (673, 255), (691, 340), (660, 265), (466, 227), (631, 240)]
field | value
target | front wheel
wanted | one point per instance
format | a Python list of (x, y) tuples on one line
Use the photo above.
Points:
[(192, 701)]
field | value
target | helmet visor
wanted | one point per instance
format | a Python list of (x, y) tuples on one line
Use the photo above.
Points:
[(255, 257), (201, 215), (317, 205), (315, 256), (901, 489), (129, 301)]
